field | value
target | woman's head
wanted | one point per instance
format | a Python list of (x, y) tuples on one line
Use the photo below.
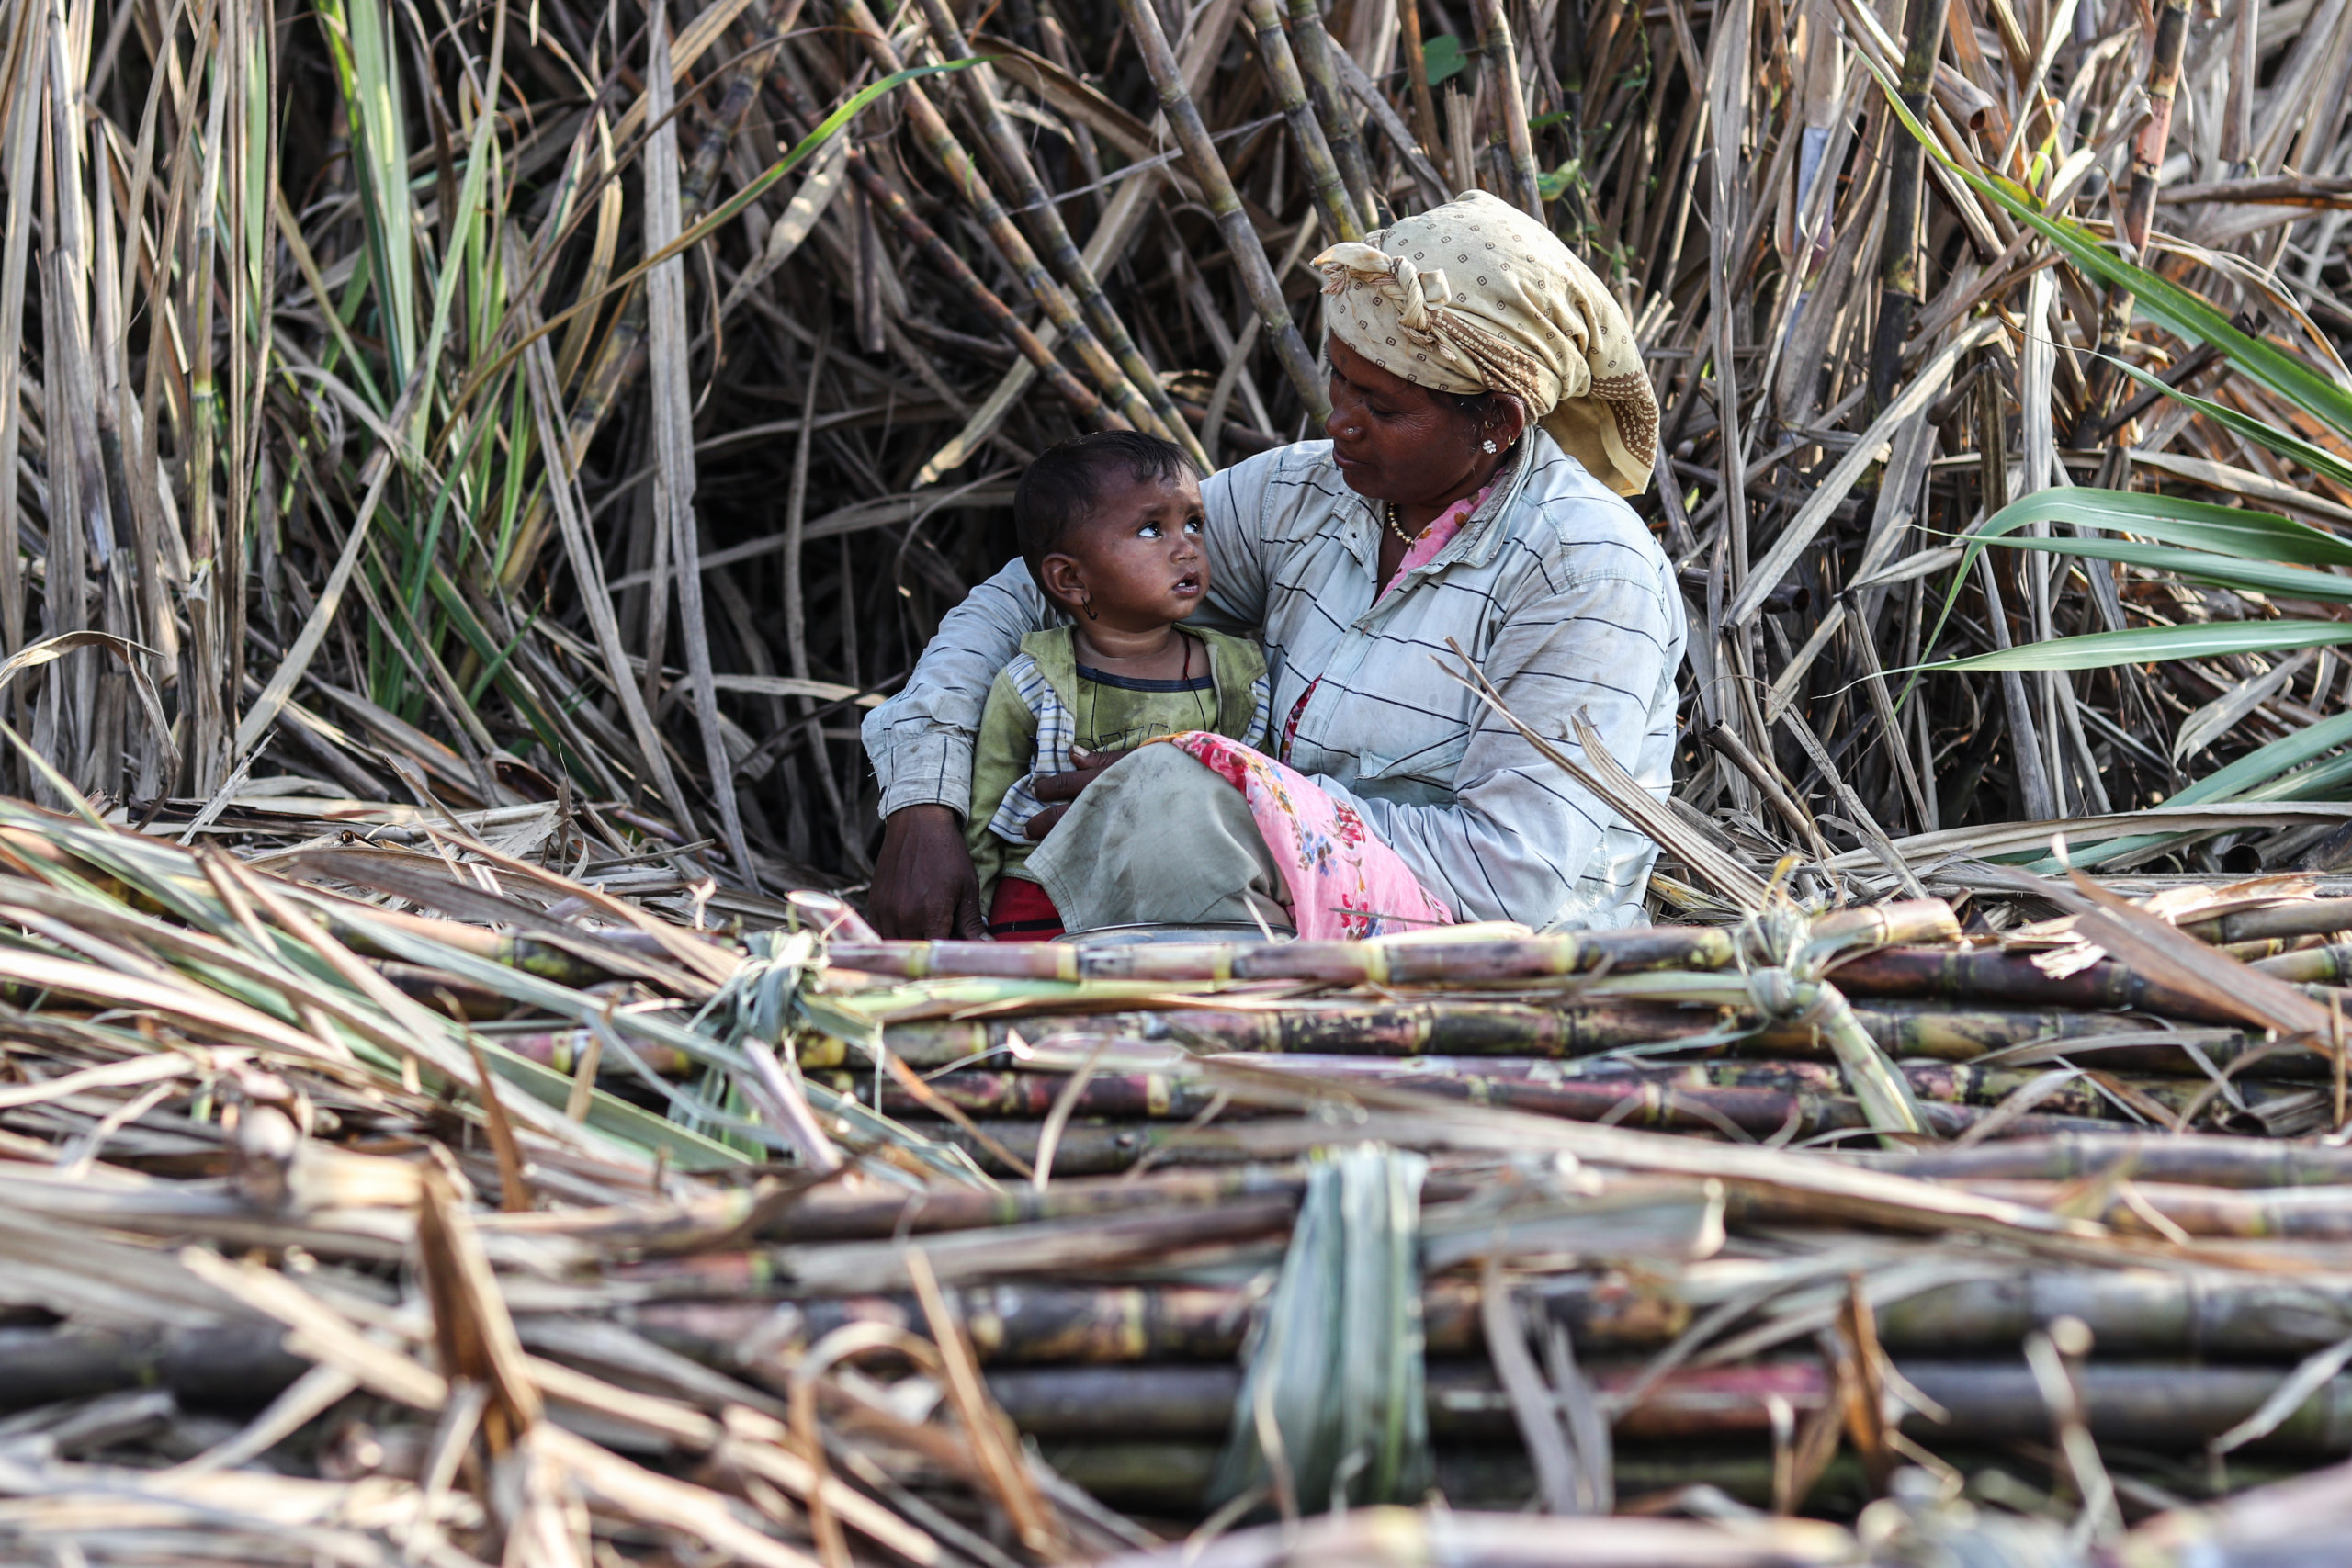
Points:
[(1476, 297), (1397, 442)]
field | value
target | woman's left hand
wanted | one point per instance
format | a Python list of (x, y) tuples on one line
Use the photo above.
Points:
[(1065, 788)]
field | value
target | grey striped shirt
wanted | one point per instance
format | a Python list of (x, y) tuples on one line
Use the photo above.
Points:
[(1554, 587)]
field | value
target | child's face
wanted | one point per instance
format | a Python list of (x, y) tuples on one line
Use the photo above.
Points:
[(1137, 561)]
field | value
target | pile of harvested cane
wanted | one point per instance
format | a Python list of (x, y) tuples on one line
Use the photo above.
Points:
[(370, 1201), (1864, 1019)]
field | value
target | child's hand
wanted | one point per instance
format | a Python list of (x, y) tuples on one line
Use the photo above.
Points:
[(1066, 787)]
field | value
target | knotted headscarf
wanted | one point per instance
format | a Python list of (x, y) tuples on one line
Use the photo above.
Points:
[(1475, 296)]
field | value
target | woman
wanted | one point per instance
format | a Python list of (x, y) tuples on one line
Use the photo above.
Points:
[(1489, 411)]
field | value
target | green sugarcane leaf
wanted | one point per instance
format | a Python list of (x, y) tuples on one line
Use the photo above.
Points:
[(2199, 566), (445, 286), (1443, 59), (358, 33), (2267, 763), (2171, 306), (2266, 772), (2147, 645), (2259, 430), (2227, 531), (2167, 520), (629, 1126)]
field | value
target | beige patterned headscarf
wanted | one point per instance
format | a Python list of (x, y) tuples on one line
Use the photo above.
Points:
[(1477, 297)]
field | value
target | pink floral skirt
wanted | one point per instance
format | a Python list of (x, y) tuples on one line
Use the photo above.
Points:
[(1344, 882)]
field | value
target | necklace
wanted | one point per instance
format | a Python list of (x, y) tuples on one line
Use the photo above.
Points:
[(1388, 510), (1091, 725)]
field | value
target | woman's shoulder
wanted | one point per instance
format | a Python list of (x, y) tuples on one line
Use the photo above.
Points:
[(1563, 513), (1296, 482)]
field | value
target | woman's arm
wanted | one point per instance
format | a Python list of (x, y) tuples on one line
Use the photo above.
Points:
[(921, 740), (920, 745), (1520, 834)]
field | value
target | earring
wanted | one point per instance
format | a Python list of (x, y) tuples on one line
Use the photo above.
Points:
[(1090, 612), (1489, 445)]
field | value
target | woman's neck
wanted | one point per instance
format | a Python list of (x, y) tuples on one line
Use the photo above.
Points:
[(1414, 517)]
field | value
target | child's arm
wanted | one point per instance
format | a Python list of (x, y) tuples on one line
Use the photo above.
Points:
[(1003, 755)]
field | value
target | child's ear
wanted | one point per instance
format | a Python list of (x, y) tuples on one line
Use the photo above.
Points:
[(1065, 583)]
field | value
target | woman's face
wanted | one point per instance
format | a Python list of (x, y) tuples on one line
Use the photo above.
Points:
[(1397, 442)]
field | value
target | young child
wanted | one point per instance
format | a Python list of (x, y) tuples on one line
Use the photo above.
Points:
[(1109, 525)]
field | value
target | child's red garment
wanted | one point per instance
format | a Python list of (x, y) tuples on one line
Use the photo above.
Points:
[(1021, 912)]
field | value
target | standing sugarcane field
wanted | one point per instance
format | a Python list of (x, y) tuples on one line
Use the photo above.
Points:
[(1176, 783)]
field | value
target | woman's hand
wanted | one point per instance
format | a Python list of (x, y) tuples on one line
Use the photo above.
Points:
[(1066, 787), (924, 887)]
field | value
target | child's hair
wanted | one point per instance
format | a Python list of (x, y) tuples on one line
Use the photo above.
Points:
[(1058, 490)]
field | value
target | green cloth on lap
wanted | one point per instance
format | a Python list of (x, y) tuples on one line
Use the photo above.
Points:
[(1042, 707)]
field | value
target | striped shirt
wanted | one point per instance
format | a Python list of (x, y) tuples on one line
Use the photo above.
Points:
[(1553, 588)]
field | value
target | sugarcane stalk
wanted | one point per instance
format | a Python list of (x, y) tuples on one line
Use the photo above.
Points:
[(1433, 963), (2292, 1213), (2327, 966), (1106, 1148), (932, 128), (2087, 1039), (1746, 1095), (2140, 202), (1401, 1029), (235, 1367), (2301, 917), (2208, 1313), (2152, 1405), (1957, 974), (1511, 106), (1898, 274), (1467, 1027), (1531, 1085), (1045, 1323), (1103, 1147), (830, 1214), (1225, 203), (2207, 1161), (1465, 1403), (1961, 1034), (924, 238), (1315, 49), (1331, 193), (1417, 72), (2268, 947), (1022, 1095), (1045, 215), (1172, 1478)]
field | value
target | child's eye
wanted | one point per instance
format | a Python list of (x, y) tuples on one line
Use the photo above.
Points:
[(1192, 525), (1148, 531)]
